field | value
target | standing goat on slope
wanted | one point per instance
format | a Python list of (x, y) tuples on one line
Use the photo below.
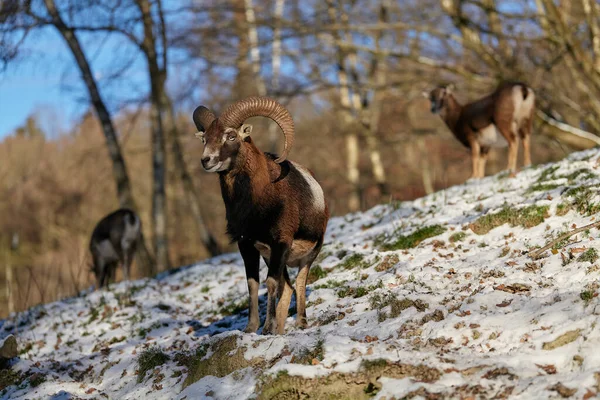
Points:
[(496, 120), (114, 241), (275, 208)]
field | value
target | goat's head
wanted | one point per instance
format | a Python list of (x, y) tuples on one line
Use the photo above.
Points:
[(225, 137), (437, 97)]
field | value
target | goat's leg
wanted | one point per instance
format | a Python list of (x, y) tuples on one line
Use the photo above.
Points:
[(278, 261), (513, 152), (285, 297), (475, 155), (301, 296), (482, 160), (526, 135), (251, 259)]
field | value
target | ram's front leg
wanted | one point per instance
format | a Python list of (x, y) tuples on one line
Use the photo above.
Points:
[(275, 281), (251, 259)]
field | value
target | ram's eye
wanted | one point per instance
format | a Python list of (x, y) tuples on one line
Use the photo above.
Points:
[(203, 140), (231, 137)]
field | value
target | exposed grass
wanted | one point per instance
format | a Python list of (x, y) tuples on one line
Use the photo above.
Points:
[(548, 173), (360, 291), (316, 273), (354, 261), (234, 308), (150, 359), (582, 199), (412, 240), (457, 237), (590, 255), (542, 187), (527, 217)]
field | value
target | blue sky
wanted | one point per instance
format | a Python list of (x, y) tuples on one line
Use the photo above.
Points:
[(45, 79)]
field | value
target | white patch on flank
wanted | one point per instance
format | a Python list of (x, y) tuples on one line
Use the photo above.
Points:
[(523, 108), (317, 191), (490, 136)]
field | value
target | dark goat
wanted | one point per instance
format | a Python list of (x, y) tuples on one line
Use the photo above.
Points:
[(114, 241), (497, 120), (275, 208)]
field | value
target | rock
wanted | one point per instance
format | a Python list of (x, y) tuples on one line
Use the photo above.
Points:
[(8, 347)]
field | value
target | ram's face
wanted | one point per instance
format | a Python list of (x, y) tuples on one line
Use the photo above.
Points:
[(222, 145), (437, 98)]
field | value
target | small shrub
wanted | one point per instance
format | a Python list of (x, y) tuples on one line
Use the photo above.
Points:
[(587, 295), (527, 217), (412, 240), (379, 301), (457, 237), (150, 359), (590, 255), (308, 355)]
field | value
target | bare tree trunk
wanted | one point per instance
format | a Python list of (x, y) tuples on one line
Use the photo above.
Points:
[(276, 66), (193, 200), (159, 198), (351, 136), (144, 259), (591, 14)]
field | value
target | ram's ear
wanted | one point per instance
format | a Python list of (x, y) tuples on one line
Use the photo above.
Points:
[(199, 135), (245, 130)]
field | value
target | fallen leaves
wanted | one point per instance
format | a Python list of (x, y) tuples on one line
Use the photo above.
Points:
[(550, 369), (514, 288)]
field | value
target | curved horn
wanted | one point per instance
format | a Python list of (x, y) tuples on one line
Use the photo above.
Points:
[(203, 117), (235, 115)]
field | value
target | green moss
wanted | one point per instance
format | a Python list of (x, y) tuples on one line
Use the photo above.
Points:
[(150, 359), (590, 255), (527, 217), (457, 237), (357, 386), (412, 240)]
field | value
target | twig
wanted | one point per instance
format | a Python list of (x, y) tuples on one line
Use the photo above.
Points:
[(535, 253)]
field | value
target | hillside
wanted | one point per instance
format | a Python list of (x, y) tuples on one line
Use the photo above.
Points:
[(425, 299)]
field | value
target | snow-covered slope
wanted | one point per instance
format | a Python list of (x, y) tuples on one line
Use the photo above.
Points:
[(433, 298)]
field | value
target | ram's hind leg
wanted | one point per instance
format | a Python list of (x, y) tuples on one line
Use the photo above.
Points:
[(275, 278), (285, 292), (301, 296)]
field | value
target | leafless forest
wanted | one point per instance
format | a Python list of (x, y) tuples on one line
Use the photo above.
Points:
[(351, 71)]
